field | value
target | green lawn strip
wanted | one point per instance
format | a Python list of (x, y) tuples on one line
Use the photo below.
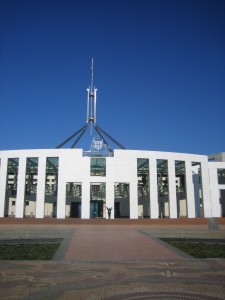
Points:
[(34, 251), (199, 249)]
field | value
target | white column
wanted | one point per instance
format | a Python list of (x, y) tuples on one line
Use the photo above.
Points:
[(40, 202), (154, 205), (3, 181), (85, 203), (190, 195), (110, 198), (214, 191), (172, 189), (133, 198), (61, 193), (61, 200), (21, 183), (206, 190)]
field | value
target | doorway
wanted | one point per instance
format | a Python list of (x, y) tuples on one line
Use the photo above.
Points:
[(96, 209), (121, 200), (97, 199), (75, 210)]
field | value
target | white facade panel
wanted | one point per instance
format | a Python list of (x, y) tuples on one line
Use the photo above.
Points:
[(21, 188), (190, 191), (172, 189), (3, 185), (40, 203), (154, 206), (206, 189)]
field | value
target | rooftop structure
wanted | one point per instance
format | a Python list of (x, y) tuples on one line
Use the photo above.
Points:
[(99, 145)]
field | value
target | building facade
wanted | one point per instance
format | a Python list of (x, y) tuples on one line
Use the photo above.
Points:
[(64, 183)]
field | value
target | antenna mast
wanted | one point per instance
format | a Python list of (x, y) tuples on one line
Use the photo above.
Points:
[(91, 98), (91, 117)]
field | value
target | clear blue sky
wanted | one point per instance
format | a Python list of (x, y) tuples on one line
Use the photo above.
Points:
[(159, 70)]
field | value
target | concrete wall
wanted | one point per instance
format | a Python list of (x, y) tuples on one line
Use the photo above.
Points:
[(218, 157)]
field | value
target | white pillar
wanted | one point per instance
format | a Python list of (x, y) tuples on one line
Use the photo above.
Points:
[(172, 189), (21, 183), (190, 195), (61, 194), (214, 191), (40, 200), (3, 182), (205, 189), (154, 205), (85, 203), (133, 198), (110, 198), (61, 200)]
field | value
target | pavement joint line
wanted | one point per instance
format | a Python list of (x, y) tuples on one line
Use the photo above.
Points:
[(170, 247), (213, 224), (61, 251)]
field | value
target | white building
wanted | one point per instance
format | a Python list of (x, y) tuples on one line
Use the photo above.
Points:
[(65, 183)]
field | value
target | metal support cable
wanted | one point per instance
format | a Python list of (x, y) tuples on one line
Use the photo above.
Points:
[(98, 131), (70, 138), (111, 138), (77, 140)]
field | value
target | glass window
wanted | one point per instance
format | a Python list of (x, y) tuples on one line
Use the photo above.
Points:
[(98, 166), (221, 176), (11, 192), (143, 188), (163, 194), (31, 187), (52, 164), (181, 188), (51, 186)]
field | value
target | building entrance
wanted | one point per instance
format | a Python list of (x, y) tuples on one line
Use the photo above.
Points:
[(98, 198), (116, 210), (121, 200), (73, 199), (96, 209), (75, 210)]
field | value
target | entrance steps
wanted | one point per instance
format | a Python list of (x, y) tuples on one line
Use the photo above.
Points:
[(121, 221)]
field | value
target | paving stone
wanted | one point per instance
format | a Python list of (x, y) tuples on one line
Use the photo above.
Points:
[(117, 261)]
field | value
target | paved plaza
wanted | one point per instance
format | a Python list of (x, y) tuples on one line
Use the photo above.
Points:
[(113, 259)]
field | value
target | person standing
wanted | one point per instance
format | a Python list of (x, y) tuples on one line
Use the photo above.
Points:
[(109, 209)]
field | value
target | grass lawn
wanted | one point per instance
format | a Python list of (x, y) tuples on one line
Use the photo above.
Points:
[(200, 249), (34, 251)]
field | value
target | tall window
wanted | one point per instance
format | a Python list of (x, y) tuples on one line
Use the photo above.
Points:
[(51, 176), (181, 188), (162, 177), (51, 186), (31, 186), (11, 192), (143, 187)]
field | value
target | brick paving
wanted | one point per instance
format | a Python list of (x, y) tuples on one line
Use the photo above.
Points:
[(116, 243), (113, 260)]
